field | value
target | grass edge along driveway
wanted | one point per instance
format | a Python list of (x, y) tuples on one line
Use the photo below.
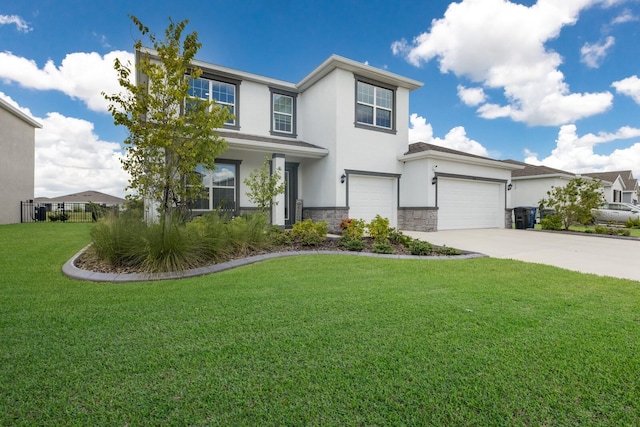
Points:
[(314, 340)]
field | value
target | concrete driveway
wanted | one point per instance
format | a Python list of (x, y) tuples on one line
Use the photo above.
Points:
[(584, 253)]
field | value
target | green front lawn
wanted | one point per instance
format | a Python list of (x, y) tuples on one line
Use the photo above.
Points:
[(314, 340)]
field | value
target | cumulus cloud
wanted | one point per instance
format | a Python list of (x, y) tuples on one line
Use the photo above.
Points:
[(82, 76), (629, 86), (455, 139), (593, 54), (576, 153), (471, 96), (501, 45), (20, 23), (70, 157)]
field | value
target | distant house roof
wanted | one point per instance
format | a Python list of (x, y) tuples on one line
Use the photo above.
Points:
[(19, 114), (609, 177), (535, 170), (84, 197), (630, 183)]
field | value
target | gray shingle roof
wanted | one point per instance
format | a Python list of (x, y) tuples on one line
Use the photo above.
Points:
[(533, 170)]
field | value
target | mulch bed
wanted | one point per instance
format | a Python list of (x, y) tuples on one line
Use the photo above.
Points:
[(88, 261)]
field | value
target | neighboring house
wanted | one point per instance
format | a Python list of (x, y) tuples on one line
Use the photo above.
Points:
[(17, 140), (340, 135), (620, 186), (531, 183), (73, 201)]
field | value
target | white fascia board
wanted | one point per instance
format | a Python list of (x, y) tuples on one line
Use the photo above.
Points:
[(270, 147), (233, 73), (439, 155), (335, 61), (553, 175), (19, 114)]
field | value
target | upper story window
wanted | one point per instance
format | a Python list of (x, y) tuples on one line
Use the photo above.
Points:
[(375, 105), (283, 113), (223, 92)]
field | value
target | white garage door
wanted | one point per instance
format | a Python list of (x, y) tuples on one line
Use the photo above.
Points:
[(373, 195), (469, 204)]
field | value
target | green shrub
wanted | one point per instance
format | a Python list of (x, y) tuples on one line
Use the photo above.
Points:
[(58, 216), (355, 245), (553, 222), (278, 237), (382, 247), (632, 223), (396, 236), (379, 228), (419, 247), (353, 228), (310, 233), (445, 250), (622, 232), (247, 233)]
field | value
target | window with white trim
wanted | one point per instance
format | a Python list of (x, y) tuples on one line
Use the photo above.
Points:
[(283, 113), (223, 93), (374, 105)]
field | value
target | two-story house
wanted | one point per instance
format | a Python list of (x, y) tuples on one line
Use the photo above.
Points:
[(340, 135)]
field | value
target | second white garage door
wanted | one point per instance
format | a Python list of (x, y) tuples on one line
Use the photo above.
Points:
[(373, 195), (466, 204)]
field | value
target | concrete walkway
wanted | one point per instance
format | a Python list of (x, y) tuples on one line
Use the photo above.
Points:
[(615, 257)]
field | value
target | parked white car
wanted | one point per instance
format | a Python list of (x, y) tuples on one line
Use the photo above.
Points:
[(616, 212)]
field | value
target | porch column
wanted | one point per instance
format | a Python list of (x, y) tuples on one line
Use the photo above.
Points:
[(277, 207)]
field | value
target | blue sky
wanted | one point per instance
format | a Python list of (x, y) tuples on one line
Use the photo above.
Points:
[(550, 82)]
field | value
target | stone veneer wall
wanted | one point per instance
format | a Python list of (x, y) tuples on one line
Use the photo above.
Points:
[(508, 218), (333, 216), (418, 219)]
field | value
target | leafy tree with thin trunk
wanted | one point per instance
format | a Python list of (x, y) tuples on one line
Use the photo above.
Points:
[(170, 132), (264, 185), (573, 202)]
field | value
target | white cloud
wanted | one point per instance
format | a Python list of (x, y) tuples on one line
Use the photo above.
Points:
[(455, 139), (20, 23), (593, 54), (576, 153), (629, 86), (70, 157), (81, 75), (471, 96), (501, 44), (624, 17)]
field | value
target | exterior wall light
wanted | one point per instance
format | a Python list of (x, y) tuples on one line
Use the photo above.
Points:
[(343, 178), (434, 180), (509, 187)]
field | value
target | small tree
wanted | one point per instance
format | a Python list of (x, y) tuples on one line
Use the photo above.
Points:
[(573, 202), (170, 132), (264, 185)]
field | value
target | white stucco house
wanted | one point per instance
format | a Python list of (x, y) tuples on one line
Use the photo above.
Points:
[(341, 137), (17, 139), (619, 186), (531, 183)]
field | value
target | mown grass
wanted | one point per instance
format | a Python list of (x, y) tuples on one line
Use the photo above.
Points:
[(314, 340)]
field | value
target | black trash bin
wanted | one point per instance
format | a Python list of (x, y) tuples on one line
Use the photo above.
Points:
[(41, 213), (525, 217)]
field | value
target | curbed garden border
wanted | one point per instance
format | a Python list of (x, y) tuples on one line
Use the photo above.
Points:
[(72, 271)]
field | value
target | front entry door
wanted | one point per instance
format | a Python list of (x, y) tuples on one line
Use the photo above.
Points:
[(290, 193)]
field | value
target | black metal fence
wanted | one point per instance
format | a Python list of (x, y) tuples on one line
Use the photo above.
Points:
[(31, 211)]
